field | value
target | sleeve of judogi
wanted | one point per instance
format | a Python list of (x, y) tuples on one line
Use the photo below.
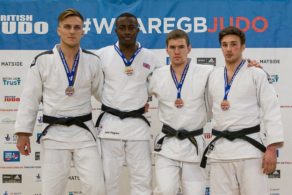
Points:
[(152, 83), (208, 99), (98, 80), (271, 114), (30, 99)]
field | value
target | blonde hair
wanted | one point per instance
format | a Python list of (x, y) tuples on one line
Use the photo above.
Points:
[(68, 13)]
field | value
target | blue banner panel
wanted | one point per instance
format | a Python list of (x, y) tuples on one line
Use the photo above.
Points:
[(31, 25)]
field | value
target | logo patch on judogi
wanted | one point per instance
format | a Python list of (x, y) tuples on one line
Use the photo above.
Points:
[(145, 65)]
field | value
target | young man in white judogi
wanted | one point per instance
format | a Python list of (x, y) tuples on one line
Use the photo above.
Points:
[(64, 79), (241, 98), (180, 91), (124, 131)]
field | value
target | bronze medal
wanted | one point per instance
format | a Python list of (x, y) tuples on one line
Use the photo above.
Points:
[(69, 91), (129, 70), (179, 103), (225, 105)]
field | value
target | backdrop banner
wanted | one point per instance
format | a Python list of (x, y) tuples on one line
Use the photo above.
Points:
[(28, 27)]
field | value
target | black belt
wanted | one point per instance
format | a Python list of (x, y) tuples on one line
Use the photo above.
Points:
[(66, 121), (180, 134), (232, 135), (131, 114)]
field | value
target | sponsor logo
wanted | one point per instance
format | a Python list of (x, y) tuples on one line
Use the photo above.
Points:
[(7, 121), (11, 156), (269, 61), (12, 178), (274, 78), (11, 99), (12, 167), (275, 174), (11, 193), (11, 63), (32, 167), (22, 24), (10, 139), (37, 155), (167, 61), (74, 192), (75, 177), (8, 110), (8, 81), (206, 61), (38, 178), (207, 191), (274, 191)]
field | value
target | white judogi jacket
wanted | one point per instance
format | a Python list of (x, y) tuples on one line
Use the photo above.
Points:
[(125, 93), (47, 81), (252, 100), (191, 116)]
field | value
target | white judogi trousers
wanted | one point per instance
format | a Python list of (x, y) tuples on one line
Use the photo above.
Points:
[(238, 177), (137, 156), (171, 174), (56, 164)]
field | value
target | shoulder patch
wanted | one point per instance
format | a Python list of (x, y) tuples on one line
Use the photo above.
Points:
[(43, 53)]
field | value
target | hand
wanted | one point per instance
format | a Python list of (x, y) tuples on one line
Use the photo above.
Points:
[(269, 160), (254, 63), (146, 107), (23, 143)]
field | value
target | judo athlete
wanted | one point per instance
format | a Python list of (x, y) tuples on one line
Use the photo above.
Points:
[(244, 106), (124, 130), (180, 91), (64, 79)]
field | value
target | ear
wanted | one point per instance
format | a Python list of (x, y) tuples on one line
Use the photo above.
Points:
[(58, 30), (166, 49), (189, 48), (243, 47)]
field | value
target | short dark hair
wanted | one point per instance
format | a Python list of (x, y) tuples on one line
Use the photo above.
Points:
[(178, 34), (68, 13), (231, 30), (126, 14)]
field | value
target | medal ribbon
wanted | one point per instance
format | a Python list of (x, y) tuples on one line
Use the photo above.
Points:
[(127, 62), (70, 74), (228, 85), (179, 84)]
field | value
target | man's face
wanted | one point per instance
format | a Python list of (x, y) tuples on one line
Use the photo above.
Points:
[(127, 30), (70, 31), (178, 51), (232, 48)]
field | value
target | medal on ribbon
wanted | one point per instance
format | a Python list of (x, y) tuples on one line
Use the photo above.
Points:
[(128, 68), (225, 105), (69, 90), (70, 74), (179, 103)]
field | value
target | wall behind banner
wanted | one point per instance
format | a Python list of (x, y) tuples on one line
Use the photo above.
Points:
[(29, 27)]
